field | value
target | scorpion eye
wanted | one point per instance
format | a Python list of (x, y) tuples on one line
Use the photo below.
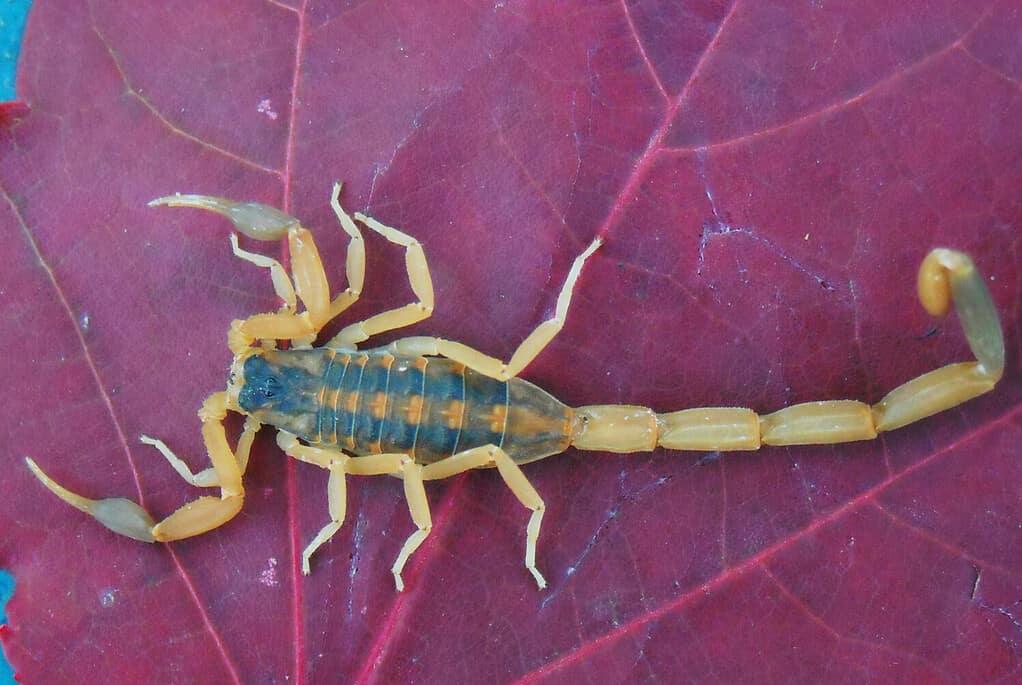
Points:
[(270, 388)]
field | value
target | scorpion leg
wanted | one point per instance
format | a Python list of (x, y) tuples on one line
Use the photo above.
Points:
[(203, 514), (400, 465), (418, 506), (418, 277), (514, 478), (527, 350), (337, 504), (339, 465), (355, 261), (334, 461)]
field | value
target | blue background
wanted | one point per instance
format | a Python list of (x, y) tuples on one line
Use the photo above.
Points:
[(6, 590), (12, 26)]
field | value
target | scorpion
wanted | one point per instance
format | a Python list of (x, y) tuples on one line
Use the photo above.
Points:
[(425, 408)]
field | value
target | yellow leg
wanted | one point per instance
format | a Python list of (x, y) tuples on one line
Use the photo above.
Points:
[(337, 503), (400, 465), (203, 514), (945, 276), (418, 506), (527, 350), (418, 277), (336, 462), (355, 262), (340, 464), (491, 455)]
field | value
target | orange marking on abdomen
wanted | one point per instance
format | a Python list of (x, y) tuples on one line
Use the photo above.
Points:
[(497, 417), (413, 409), (378, 405), (454, 412)]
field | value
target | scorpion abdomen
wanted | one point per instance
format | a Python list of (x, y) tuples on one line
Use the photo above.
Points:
[(374, 402)]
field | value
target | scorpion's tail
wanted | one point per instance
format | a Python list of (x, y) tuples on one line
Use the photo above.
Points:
[(945, 276)]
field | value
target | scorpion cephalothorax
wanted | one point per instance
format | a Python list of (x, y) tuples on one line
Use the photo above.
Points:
[(425, 408)]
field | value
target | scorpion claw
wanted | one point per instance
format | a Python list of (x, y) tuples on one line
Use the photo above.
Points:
[(254, 219), (116, 513), (125, 517)]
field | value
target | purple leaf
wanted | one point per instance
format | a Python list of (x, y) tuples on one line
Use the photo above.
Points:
[(767, 177)]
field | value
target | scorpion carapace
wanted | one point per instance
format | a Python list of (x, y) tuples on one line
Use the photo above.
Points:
[(426, 408)]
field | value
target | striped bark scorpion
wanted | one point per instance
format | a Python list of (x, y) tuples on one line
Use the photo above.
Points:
[(424, 408)]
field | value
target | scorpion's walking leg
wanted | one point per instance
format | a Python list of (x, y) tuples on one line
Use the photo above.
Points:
[(334, 461), (418, 506), (203, 514), (418, 278), (263, 222), (527, 350), (491, 455), (340, 464)]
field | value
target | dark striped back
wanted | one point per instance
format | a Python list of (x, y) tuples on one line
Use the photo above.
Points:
[(429, 408), (426, 407)]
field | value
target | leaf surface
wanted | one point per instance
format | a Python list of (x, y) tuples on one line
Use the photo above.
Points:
[(766, 176)]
